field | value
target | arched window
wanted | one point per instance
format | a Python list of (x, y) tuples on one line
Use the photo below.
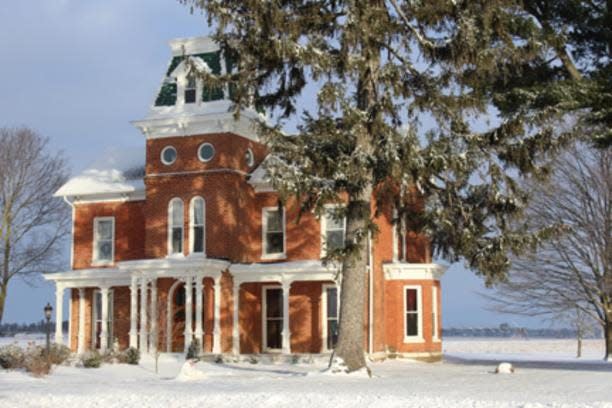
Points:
[(197, 222), (175, 226)]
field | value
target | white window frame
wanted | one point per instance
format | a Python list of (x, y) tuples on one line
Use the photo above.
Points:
[(187, 88), (328, 207), (419, 337), (192, 225), (97, 315), (95, 255), (264, 230), (324, 316), (435, 314), (182, 72), (161, 155), (214, 152), (264, 318), (171, 225)]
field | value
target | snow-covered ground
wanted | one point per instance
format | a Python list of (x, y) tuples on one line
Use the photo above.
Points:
[(547, 375)]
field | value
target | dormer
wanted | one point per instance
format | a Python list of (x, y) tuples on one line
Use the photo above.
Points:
[(184, 105)]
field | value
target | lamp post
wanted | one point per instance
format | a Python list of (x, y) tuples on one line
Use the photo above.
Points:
[(48, 311)]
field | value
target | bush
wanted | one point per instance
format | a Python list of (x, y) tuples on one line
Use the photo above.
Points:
[(132, 356), (193, 352), (91, 359), (59, 354), (11, 357), (36, 361)]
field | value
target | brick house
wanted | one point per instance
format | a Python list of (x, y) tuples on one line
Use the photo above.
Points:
[(189, 241)]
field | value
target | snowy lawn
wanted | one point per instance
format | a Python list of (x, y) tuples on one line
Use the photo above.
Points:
[(546, 376)]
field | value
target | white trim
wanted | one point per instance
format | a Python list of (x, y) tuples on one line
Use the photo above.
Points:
[(192, 45), (108, 197), (203, 171), (280, 271), (170, 226), (164, 150), (419, 337), (323, 223), (98, 315), (95, 261), (264, 230), (214, 151), (192, 225), (324, 317), (435, 314), (413, 271), (249, 157), (264, 317)]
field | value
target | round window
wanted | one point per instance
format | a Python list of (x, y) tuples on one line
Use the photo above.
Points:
[(206, 152), (249, 157), (168, 155)]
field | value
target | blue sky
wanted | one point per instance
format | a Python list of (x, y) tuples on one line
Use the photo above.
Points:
[(78, 71)]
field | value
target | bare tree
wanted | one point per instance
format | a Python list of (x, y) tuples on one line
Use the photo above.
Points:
[(571, 272), (32, 222)]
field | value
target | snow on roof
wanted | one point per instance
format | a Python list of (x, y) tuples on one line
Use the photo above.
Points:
[(119, 171)]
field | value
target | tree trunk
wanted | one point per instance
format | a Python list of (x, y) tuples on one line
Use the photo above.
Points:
[(3, 292), (350, 338), (608, 335)]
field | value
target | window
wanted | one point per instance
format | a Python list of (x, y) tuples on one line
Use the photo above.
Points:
[(249, 158), (98, 322), (434, 314), (168, 155), (273, 318), (190, 89), (333, 230), (175, 227), (197, 218), (273, 233), (104, 237), (206, 152), (413, 325), (330, 319)]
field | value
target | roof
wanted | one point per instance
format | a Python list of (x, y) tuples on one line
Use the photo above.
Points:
[(119, 171)]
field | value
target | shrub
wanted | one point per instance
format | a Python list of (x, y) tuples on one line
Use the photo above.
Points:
[(193, 352), (132, 356), (11, 357), (36, 361), (91, 359), (59, 354)]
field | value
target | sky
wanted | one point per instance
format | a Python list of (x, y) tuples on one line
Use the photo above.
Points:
[(78, 71)]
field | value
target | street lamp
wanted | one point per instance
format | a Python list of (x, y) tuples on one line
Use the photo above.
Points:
[(48, 311)]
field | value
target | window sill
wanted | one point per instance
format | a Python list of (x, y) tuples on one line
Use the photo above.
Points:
[(414, 340), (102, 263), (273, 257)]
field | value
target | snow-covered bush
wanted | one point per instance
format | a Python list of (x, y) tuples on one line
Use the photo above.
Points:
[(11, 357), (59, 354), (132, 356), (36, 360), (91, 359), (193, 352)]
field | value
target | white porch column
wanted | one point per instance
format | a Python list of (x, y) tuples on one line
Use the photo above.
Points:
[(286, 330), (104, 330), (236, 329), (143, 315), (81, 337), (199, 331), (188, 312), (153, 314), (217, 317), (59, 313), (134, 313)]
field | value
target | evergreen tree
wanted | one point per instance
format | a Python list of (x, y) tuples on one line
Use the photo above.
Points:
[(415, 100)]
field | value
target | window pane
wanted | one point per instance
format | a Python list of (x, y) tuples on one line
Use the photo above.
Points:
[(334, 222), (191, 82), (334, 240), (275, 243), (198, 212), (332, 303), (411, 300), (412, 326), (105, 251), (274, 221), (332, 334), (274, 303), (177, 213), (274, 334), (198, 239), (177, 240), (105, 229), (190, 96)]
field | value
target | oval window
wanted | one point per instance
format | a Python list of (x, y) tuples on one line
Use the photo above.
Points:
[(168, 155), (249, 157), (206, 152)]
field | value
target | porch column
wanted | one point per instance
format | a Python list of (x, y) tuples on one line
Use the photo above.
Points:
[(199, 331), (188, 312), (153, 313), (236, 328), (286, 331), (143, 315), (217, 317), (104, 330), (59, 314), (81, 337), (134, 313)]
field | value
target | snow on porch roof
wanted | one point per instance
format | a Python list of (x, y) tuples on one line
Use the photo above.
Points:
[(119, 171)]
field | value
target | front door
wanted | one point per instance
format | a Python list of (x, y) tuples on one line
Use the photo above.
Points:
[(273, 319)]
